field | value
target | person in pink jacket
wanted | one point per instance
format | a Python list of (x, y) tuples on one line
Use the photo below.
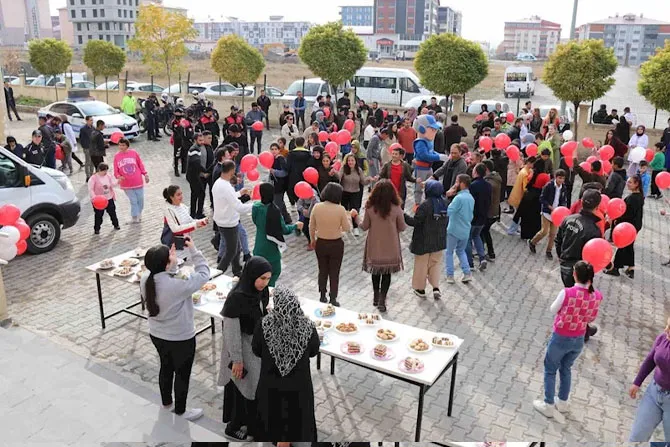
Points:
[(129, 171), (102, 184)]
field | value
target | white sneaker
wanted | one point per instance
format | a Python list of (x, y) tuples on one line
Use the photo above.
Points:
[(466, 278), (450, 280), (544, 408), (357, 232), (192, 414), (562, 406)]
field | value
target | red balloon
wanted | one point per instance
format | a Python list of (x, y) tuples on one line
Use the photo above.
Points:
[(266, 159), (303, 190), (9, 214), (531, 150), (332, 136), (513, 153), (570, 162), (334, 127), (343, 137), (332, 149), (256, 193), (568, 148), (606, 152), (258, 126), (21, 247), (60, 155), (349, 125), (253, 175), (486, 143), (588, 143), (591, 159), (100, 202), (649, 156), (624, 234), (23, 227), (559, 214), (323, 136), (311, 175), (116, 137), (510, 117), (607, 166), (598, 253), (663, 180), (249, 162), (326, 112), (394, 146), (604, 201), (337, 165), (616, 208), (585, 165), (502, 141)]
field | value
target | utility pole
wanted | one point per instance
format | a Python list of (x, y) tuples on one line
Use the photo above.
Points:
[(573, 25)]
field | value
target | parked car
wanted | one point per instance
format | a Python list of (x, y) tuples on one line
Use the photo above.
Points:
[(29, 80), (246, 92), (192, 88), (417, 100), (77, 110), (311, 88), (45, 197), (225, 89), (569, 111), (273, 92), (145, 87), (475, 107), (113, 85), (10, 78), (88, 85), (51, 81), (391, 86)]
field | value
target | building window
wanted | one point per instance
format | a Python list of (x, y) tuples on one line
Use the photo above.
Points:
[(107, 26), (102, 13), (81, 40), (82, 2), (119, 11), (131, 14), (99, 26), (90, 37), (71, 2), (95, 13), (83, 13)]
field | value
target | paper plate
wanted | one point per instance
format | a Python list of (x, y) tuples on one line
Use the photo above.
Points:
[(343, 348), (401, 367)]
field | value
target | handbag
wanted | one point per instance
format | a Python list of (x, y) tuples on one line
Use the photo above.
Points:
[(167, 236)]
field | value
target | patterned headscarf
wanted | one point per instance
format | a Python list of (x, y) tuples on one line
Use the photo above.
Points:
[(287, 331)]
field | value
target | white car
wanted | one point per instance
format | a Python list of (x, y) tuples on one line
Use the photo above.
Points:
[(88, 85), (145, 87), (76, 112), (192, 88), (29, 80), (225, 89), (417, 100), (569, 111), (475, 107), (113, 85)]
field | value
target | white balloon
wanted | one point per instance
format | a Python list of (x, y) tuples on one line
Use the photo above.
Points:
[(7, 252), (13, 234), (638, 154), (568, 135)]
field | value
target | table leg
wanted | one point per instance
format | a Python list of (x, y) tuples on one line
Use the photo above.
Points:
[(453, 385), (419, 416), (332, 366), (102, 310), (318, 361), (211, 323)]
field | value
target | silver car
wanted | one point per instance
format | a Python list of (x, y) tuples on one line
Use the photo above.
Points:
[(77, 111)]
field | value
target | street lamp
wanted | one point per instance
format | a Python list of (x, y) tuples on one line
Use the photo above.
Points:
[(573, 25)]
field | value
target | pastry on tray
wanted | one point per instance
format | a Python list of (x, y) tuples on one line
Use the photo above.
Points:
[(346, 327), (412, 364), (130, 262), (380, 351), (443, 341), (353, 347), (123, 272), (386, 334), (208, 287), (106, 264), (419, 345), (328, 311)]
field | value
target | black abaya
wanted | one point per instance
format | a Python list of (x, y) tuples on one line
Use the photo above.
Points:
[(634, 212), (285, 404), (530, 212)]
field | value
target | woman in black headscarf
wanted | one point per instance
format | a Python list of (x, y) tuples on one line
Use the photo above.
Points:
[(240, 369), (285, 340), (270, 230)]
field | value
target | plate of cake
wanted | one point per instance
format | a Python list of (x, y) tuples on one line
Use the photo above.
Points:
[(386, 335), (208, 287), (443, 341), (419, 345), (352, 347), (382, 352), (323, 325), (325, 312), (411, 365), (106, 264), (130, 262), (369, 319), (123, 272), (346, 328)]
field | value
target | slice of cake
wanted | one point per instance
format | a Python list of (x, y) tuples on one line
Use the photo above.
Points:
[(380, 351), (328, 310), (353, 347), (411, 364)]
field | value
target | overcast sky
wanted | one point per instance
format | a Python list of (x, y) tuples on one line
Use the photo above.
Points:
[(482, 19)]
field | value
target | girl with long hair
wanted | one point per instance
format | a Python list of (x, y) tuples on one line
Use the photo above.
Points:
[(352, 179), (620, 148)]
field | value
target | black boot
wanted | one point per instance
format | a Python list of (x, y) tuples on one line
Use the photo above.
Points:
[(382, 303), (375, 300), (323, 298), (333, 301), (176, 172)]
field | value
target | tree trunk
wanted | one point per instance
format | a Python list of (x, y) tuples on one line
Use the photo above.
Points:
[(574, 131), (106, 91), (56, 89), (243, 87)]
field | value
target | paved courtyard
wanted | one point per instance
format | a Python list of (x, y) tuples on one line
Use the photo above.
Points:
[(503, 315)]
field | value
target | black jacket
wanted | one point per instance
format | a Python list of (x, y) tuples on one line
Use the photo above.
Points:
[(453, 134), (85, 134), (569, 172), (549, 194), (500, 162), (575, 231), (241, 141), (264, 103), (280, 176), (430, 231), (9, 96), (211, 124), (481, 191), (194, 165), (34, 154), (406, 176), (298, 160), (634, 211), (616, 183), (514, 133), (450, 170), (379, 117), (98, 145), (343, 104), (589, 177), (600, 117)]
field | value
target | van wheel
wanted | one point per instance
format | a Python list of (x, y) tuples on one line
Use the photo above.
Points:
[(44, 233)]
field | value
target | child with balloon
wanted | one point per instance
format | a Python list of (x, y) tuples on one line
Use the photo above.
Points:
[(101, 189)]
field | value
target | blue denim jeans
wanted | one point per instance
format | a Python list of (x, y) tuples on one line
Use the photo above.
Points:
[(457, 245), (654, 408), (476, 239), (136, 197), (561, 354)]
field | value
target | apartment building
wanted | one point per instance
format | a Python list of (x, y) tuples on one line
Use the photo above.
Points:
[(110, 20), (22, 20), (356, 15), (449, 20), (271, 32), (531, 36)]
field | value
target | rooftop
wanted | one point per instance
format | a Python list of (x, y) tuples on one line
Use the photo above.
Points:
[(629, 19), (536, 19)]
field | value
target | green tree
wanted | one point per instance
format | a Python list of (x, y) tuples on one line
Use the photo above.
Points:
[(104, 59), (159, 38), (49, 57), (580, 71), (332, 53), (236, 61), (654, 83), (448, 64)]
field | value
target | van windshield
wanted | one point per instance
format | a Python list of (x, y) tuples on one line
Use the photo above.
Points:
[(311, 89), (516, 77)]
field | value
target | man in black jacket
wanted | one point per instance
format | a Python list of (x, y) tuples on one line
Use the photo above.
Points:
[(235, 136), (150, 106), (481, 191), (616, 182), (34, 152), (11, 103), (514, 132), (600, 116), (378, 114), (85, 141), (197, 174), (452, 168), (208, 122), (344, 103), (264, 103), (553, 195), (454, 132), (98, 144)]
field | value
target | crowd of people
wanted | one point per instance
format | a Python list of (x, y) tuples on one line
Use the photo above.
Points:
[(458, 197)]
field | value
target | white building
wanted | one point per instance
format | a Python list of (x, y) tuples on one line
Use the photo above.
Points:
[(449, 21), (533, 35), (110, 20), (22, 20), (272, 32)]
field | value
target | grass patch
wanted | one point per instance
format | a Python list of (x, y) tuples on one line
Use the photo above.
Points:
[(33, 102)]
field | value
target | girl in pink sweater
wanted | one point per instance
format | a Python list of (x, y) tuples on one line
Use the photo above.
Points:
[(102, 184), (129, 171)]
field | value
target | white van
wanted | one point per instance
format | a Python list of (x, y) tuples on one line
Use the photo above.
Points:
[(389, 86), (311, 88), (519, 80), (45, 197)]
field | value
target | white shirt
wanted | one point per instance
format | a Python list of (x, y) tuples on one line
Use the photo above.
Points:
[(558, 302), (227, 206), (369, 132), (557, 197)]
